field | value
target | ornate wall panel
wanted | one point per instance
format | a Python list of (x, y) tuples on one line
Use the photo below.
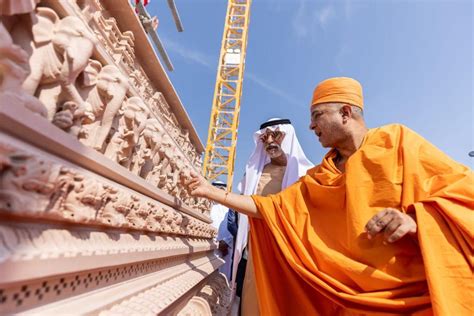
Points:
[(93, 216)]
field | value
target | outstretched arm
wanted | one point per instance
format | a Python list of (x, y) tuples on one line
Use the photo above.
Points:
[(199, 187)]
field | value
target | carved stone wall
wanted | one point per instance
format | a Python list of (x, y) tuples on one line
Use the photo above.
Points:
[(94, 218)]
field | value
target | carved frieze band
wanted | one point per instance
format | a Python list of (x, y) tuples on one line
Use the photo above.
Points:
[(70, 249), (36, 185)]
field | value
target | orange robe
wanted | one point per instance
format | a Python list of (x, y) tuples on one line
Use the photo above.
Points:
[(312, 256)]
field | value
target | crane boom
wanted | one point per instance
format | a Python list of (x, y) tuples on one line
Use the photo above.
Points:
[(224, 122)]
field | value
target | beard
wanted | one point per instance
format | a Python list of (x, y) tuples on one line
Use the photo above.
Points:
[(273, 150)]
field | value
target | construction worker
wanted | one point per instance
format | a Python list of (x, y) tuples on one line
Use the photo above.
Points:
[(382, 225)]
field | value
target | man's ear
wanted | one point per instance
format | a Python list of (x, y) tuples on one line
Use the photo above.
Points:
[(346, 112)]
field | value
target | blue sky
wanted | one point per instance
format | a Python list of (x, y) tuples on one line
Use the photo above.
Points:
[(413, 58)]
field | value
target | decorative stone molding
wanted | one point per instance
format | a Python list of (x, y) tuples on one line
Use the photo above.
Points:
[(218, 294), (214, 298), (94, 290), (197, 306), (156, 299), (33, 185), (47, 245)]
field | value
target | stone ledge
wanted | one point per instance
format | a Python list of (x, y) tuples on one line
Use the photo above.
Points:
[(29, 127), (32, 251), (90, 292)]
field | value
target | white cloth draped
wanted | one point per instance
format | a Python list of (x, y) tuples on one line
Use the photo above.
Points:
[(219, 221), (297, 165)]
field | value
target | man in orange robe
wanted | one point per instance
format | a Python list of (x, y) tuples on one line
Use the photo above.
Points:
[(382, 226)]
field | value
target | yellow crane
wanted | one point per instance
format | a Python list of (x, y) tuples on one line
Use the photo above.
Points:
[(224, 122)]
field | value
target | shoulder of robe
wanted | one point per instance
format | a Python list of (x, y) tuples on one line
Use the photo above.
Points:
[(310, 172), (394, 135)]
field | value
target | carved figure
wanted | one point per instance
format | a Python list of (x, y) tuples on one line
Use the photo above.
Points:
[(86, 200), (148, 155), (60, 50), (70, 114), (153, 221), (105, 99), (115, 212), (27, 183), (12, 75), (138, 213), (163, 146), (130, 125)]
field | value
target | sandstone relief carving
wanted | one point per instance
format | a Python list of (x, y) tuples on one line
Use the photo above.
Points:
[(105, 99), (89, 100), (127, 130), (59, 50), (12, 7), (13, 59), (34, 186), (120, 45), (217, 293)]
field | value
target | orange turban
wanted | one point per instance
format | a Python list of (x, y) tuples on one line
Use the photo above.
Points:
[(340, 89)]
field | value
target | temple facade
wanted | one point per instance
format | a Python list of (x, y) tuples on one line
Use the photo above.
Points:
[(93, 143)]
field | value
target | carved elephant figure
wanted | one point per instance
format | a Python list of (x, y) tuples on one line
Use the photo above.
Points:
[(105, 100), (146, 155), (60, 50)]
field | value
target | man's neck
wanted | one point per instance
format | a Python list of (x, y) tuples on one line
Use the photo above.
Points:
[(352, 144)]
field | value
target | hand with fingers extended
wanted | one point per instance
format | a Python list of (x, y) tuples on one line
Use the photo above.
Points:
[(393, 223), (197, 185)]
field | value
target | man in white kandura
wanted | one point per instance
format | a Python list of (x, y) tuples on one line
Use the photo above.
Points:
[(277, 162)]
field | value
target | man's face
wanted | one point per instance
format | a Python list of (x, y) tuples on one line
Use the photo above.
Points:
[(327, 124), (272, 141)]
